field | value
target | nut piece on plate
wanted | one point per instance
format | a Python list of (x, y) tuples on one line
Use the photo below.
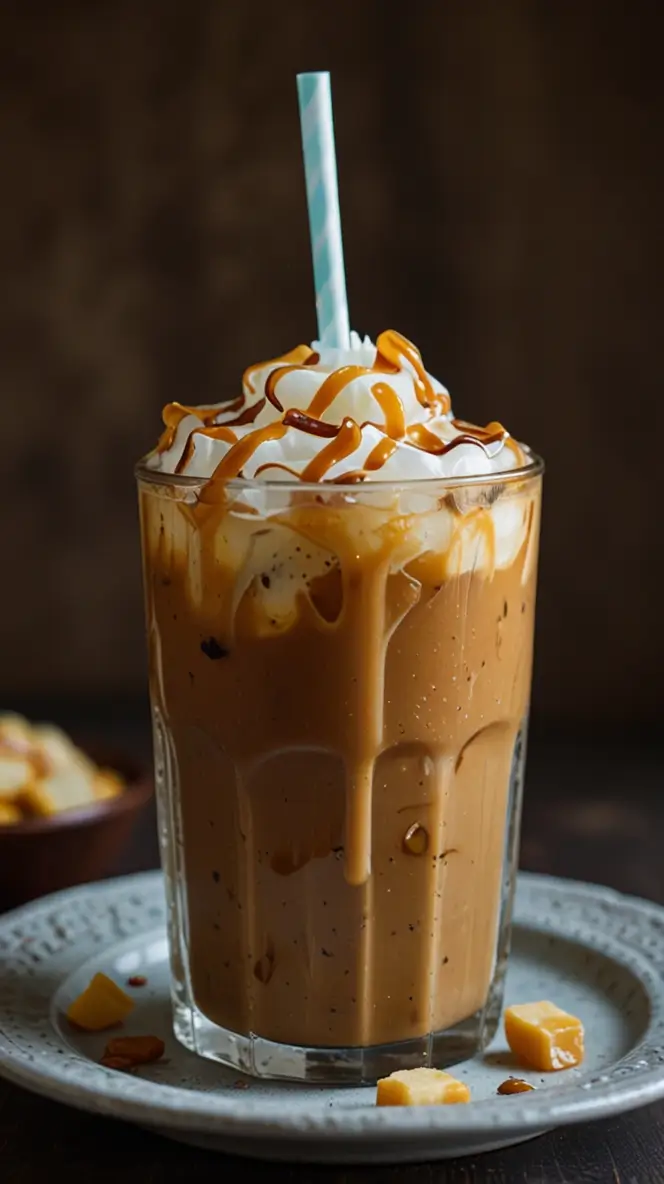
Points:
[(543, 1036), (421, 1087), (102, 1004), (127, 1052), (42, 772)]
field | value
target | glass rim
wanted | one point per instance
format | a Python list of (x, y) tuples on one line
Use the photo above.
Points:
[(534, 468)]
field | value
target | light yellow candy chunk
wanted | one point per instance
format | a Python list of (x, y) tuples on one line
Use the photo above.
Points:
[(421, 1087), (543, 1036), (101, 1005)]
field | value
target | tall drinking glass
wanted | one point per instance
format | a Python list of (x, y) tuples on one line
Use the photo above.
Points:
[(340, 680)]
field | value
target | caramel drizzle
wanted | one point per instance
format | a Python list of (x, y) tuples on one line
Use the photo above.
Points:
[(174, 413), (380, 454), (392, 408), (422, 438), (248, 415), (275, 464), (232, 464), (271, 382), (275, 375), (298, 355), (391, 348), (346, 441), (472, 429), (333, 385), (219, 432), (306, 423), (493, 433)]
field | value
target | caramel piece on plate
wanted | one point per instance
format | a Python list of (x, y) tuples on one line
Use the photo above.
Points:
[(136, 1050), (543, 1036), (421, 1087), (101, 1005), (515, 1085)]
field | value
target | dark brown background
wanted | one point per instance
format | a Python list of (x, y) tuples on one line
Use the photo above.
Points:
[(503, 193)]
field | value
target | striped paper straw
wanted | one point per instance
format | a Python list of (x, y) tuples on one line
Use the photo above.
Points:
[(320, 170)]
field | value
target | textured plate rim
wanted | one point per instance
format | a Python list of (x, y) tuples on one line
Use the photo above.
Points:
[(620, 1088)]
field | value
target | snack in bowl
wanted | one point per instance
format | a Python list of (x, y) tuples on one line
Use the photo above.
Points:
[(42, 772)]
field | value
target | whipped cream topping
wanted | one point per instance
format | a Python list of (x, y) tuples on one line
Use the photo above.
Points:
[(371, 412)]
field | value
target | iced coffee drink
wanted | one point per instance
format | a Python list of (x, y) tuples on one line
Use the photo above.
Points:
[(340, 585)]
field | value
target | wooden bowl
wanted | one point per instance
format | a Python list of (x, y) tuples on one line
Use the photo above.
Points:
[(42, 855)]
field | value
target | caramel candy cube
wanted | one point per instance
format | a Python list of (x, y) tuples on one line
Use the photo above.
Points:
[(543, 1036), (101, 1005), (420, 1087)]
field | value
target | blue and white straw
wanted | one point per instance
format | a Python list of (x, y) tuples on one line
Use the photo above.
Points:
[(320, 170)]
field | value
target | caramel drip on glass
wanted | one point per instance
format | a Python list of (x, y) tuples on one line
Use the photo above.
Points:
[(392, 408), (378, 455), (346, 441), (236, 458), (364, 600)]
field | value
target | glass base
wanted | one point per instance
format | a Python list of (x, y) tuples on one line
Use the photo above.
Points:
[(259, 1057)]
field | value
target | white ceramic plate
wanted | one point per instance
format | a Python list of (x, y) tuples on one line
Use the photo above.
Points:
[(590, 950)]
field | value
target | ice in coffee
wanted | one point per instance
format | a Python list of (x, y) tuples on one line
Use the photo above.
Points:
[(340, 587)]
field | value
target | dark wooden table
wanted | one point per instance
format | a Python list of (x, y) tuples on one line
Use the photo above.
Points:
[(593, 812)]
